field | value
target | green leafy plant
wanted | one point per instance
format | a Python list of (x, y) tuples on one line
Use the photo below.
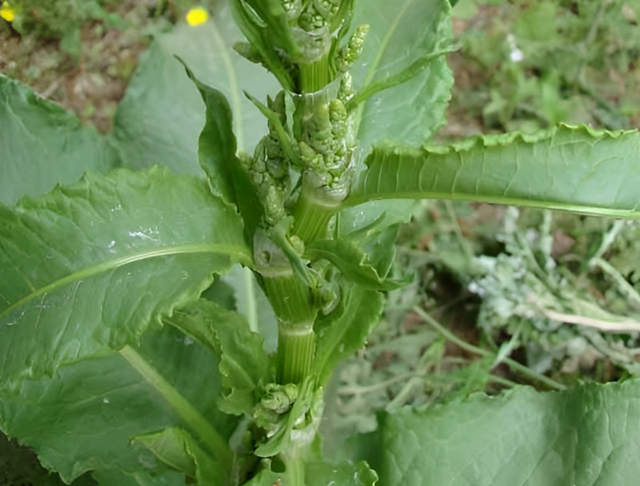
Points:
[(62, 19), (135, 347), (535, 65)]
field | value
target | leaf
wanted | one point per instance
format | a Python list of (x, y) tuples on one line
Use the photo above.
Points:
[(306, 409), (352, 262), (569, 168), (43, 145), (217, 144), (84, 416), (170, 447), (115, 477), (403, 34), (162, 114), (372, 215), (323, 474), (180, 451), (586, 435), (251, 302), (344, 474), (344, 330), (244, 365), (374, 227), (19, 465), (87, 268)]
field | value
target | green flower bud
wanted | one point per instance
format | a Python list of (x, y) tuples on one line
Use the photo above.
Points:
[(293, 8), (346, 91), (279, 398), (311, 20), (327, 8), (352, 51), (320, 129), (310, 158), (273, 202), (338, 116)]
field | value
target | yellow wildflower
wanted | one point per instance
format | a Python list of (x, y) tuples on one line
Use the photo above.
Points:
[(6, 12), (197, 16)]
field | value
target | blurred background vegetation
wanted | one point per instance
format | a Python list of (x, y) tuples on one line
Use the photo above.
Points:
[(502, 296)]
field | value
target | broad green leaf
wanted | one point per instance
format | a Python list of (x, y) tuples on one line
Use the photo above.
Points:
[(19, 465), (353, 263), (371, 216), (43, 145), (251, 302), (217, 144), (587, 435), (160, 117), (323, 474), (217, 157), (84, 416), (344, 474), (162, 114), (87, 268), (115, 477), (179, 450), (344, 330), (244, 365), (374, 226), (170, 447), (402, 34), (569, 168)]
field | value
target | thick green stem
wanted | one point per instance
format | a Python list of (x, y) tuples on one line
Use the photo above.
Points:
[(296, 352), (312, 216), (293, 304), (314, 76), (295, 470)]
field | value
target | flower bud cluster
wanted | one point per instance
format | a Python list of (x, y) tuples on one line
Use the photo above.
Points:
[(284, 34), (269, 169), (328, 142), (349, 54)]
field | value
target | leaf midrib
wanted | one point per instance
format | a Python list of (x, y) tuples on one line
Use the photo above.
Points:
[(241, 255)]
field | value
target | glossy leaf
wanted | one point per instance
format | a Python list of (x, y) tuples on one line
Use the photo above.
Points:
[(402, 34), (162, 114), (586, 435), (87, 268), (84, 416), (344, 330), (43, 145), (569, 168), (244, 365)]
